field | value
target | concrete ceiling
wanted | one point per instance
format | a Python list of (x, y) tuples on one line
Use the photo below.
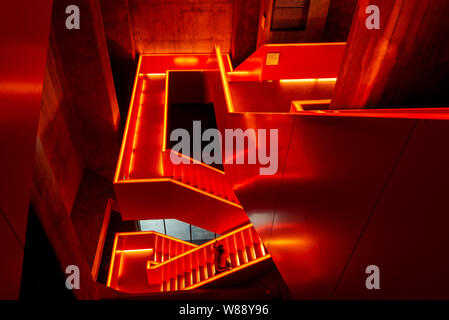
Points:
[(180, 26)]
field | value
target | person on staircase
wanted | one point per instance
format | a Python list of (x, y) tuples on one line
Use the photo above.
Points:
[(221, 259)]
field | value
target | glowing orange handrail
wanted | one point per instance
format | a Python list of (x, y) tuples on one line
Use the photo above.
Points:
[(164, 132), (135, 250), (297, 104), (309, 44), (401, 113), (223, 74), (308, 80)]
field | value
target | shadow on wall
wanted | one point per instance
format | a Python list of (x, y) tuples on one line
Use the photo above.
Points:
[(42, 277)]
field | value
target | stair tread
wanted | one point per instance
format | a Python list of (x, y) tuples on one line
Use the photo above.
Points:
[(243, 247)]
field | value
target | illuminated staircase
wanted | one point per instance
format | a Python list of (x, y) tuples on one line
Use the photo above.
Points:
[(146, 179), (206, 179), (195, 268)]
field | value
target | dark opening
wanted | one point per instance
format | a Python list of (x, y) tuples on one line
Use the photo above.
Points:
[(188, 102), (289, 15), (42, 276)]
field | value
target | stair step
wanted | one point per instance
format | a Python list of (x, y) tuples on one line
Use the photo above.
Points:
[(243, 246)]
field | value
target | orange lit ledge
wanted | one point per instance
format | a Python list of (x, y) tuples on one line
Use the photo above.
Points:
[(150, 250), (298, 105), (413, 113)]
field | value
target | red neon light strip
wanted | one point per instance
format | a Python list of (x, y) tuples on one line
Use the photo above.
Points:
[(164, 132), (231, 69), (111, 266), (305, 44), (308, 80), (412, 113), (134, 250), (138, 233), (224, 80), (136, 130), (101, 240), (125, 134)]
